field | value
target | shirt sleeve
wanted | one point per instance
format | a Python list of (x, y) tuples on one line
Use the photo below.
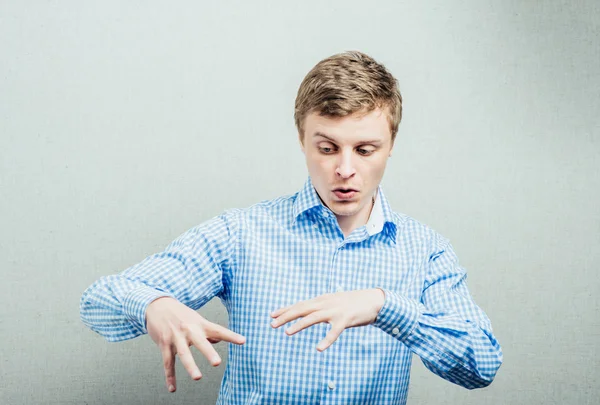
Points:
[(446, 329), (190, 270)]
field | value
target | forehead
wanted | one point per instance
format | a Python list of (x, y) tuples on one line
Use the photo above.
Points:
[(352, 128)]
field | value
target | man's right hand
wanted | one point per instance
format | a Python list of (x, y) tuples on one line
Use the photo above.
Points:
[(174, 327)]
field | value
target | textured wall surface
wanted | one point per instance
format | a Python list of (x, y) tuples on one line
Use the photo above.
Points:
[(123, 124)]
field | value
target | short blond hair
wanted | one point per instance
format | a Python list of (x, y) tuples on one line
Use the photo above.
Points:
[(347, 83)]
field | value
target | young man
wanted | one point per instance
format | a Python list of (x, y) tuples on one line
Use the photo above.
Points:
[(367, 287)]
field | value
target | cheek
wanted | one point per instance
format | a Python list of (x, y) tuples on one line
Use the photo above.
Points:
[(375, 169), (320, 164)]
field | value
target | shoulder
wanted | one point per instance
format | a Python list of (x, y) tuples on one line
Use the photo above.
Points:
[(279, 208), (411, 230)]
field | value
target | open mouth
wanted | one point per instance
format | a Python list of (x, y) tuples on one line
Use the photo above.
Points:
[(345, 193)]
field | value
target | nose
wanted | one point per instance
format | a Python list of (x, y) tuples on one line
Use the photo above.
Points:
[(345, 167)]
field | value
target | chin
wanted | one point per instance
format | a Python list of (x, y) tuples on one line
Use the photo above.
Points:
[(344, 209)]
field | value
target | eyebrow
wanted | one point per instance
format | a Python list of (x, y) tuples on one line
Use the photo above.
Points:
[(373, 141)]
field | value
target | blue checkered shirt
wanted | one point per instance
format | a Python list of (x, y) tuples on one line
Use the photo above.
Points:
[(289, 249)]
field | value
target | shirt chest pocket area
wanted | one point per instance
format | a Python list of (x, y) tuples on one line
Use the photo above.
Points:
[(388, 274)]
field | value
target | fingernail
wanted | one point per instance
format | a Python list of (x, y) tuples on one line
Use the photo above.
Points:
[(171, 388)]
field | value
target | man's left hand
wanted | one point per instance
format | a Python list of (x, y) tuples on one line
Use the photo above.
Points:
[(341, 310)]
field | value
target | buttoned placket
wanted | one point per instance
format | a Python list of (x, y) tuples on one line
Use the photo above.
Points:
[(335, 285)]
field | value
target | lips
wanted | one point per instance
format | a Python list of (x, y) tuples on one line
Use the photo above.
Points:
[(345, 193)]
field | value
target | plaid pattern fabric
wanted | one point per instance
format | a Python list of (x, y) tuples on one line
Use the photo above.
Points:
[(289, 249)]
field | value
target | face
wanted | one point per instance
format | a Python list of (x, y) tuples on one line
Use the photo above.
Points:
[(346, 159)]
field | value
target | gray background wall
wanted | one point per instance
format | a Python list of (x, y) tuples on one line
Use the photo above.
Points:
[(123, 124)]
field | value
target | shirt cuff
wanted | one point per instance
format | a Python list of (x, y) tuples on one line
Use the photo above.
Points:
[(136, 302), (398, 316)]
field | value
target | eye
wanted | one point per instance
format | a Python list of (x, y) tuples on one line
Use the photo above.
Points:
[(327, 149), (364, 152)]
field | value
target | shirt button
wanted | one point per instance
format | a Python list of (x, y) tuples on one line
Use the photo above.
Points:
[(395, 331), (331, 385)]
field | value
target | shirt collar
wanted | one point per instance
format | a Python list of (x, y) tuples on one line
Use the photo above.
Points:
[(376, 220), (381, 219), (306, 199)]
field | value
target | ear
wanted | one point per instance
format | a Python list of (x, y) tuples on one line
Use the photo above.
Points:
[(301, 139)]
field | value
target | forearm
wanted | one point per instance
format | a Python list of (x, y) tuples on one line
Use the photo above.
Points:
[(113, 306), (457, 349), (189, 270)]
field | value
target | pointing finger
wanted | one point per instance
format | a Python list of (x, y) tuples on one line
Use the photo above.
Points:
[(309, 320), (218, 333), (294, 312), (280, 311), (297, 306)]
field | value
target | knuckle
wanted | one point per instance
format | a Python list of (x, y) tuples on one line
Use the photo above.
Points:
[(165, 337), (184, 326), (184, 357)]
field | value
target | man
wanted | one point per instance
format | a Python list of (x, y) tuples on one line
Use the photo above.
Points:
[(366, 287)]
